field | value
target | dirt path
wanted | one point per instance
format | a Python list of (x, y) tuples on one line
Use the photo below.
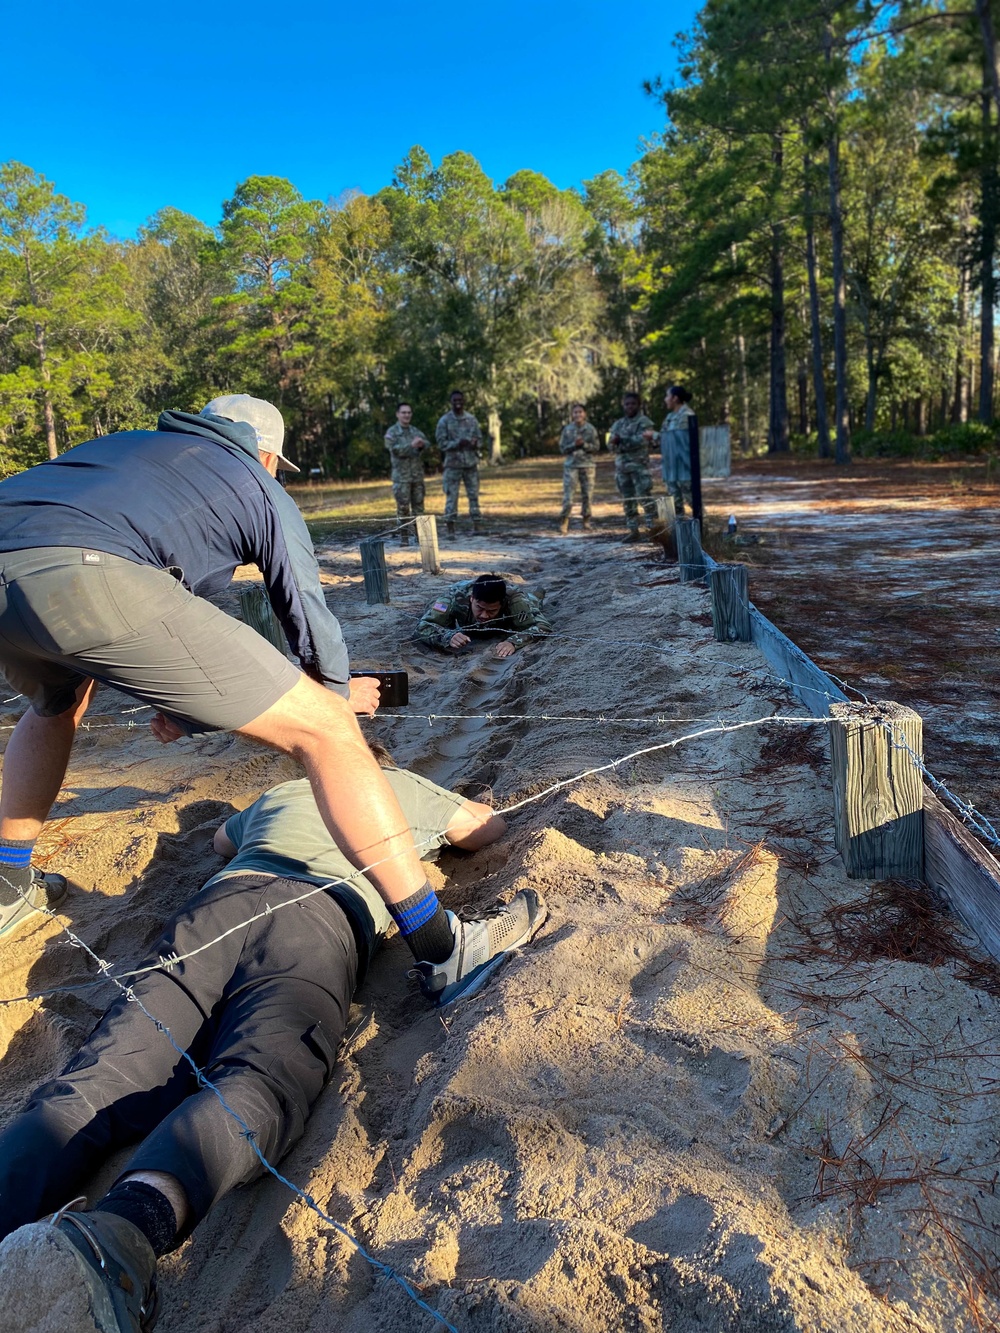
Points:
[(886, 574), (724, 1088)]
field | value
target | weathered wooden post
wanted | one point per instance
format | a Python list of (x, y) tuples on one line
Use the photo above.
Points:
[(255, 611), (666, 512), (665, 531), (878, 794), (729, 587), (690, 561), (373, 568), (427, 536)]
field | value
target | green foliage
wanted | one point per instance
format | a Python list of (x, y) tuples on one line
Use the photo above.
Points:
[(712, 262), (971, 437)]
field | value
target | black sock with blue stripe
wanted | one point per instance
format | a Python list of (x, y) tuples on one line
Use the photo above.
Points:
[(424, 925), (15, 870)]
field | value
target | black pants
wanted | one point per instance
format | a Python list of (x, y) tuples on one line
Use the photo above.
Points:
[(262, 1013)]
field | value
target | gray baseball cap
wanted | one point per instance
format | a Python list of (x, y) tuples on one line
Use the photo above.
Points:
[(263, 416)]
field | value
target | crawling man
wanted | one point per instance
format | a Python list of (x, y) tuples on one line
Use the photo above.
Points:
[(483, 607), (261, 1011)]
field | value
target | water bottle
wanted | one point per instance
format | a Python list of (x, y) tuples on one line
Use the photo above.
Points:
[(731, 525)]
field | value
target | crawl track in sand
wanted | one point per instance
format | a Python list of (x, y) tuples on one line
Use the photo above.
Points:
[(684, 1107)]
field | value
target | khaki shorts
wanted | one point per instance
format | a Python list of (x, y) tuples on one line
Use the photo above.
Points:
[(67, 614)]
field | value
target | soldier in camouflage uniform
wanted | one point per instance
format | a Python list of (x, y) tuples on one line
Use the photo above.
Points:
[(629, 440), (482, 608), (675, 446), (460, 440), (580, 443), (406, 447)]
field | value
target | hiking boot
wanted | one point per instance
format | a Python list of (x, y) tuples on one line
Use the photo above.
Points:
[(79, 1272), (451, 529), (47, 890), (564, 526), (477, 527), (404, 538), (587, 525), (481, 945), (633, 535)]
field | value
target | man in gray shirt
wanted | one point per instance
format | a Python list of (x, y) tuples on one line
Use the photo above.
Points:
[(253, 979)]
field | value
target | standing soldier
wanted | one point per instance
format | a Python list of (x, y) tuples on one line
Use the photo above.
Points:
[(629, 440), (460, 440), (675, 446), (406, 447), (580, 443)]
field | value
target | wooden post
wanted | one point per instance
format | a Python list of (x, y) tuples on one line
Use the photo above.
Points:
[(665, 512), (427, 536), (730, 603), (690, 561), (878, 795), (373, 568), (255, 611)]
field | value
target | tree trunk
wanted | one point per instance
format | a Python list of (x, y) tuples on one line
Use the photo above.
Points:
[(741, 353), (778, 435), (959, 405), (41, 347), (841, 406), (987, 276), (990, 70), (921, 417), (802, 388), (815, 325), (871, 367), (493, 426)]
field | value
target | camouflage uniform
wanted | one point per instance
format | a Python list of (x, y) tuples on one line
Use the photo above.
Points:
[(632, 468), (675, 450), (520, 620), (461, 463), (580, 465), (407, 468)]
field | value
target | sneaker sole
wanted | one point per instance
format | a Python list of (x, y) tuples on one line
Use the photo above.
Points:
[(475, 980), (48, 1288)]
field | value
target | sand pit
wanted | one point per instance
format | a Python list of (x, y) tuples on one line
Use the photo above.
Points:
[(725, 1089)]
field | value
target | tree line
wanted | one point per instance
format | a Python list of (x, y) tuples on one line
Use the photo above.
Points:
[(809, 244)]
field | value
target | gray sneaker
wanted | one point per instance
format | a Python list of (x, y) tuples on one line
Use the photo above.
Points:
[(47, 890), (78, 1272), (481, 945)]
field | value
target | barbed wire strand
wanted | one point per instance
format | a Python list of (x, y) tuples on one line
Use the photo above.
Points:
[(247, 1133)]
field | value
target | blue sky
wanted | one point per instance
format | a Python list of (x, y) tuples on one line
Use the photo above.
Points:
[(128, 107)]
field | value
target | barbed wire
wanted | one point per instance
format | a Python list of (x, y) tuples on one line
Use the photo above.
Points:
[(168, 962)]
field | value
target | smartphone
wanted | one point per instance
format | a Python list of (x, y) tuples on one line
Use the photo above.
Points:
[(393, 686)]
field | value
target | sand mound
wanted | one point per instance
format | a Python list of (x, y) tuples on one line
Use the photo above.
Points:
[(684, 1106)]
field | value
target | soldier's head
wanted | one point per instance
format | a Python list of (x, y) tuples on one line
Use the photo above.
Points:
[(486, 597), (404, 413), (457, 402), (630, 404), (676, 396), (579, 414)]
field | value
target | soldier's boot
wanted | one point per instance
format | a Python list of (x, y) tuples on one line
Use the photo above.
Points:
[(564, 524), (633, 535), (587, 525), (404, 537), (477, 526), (451, 529)]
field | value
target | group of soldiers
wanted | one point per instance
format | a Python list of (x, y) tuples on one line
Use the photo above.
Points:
[(630, 439)]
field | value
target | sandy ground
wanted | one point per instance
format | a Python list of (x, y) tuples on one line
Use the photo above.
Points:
[(885, 573), (725, 1088)]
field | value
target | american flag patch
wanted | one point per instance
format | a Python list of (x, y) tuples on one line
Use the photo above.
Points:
[(440, 606)]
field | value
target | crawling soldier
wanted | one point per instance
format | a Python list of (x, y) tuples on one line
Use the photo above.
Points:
[(480, 608)]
